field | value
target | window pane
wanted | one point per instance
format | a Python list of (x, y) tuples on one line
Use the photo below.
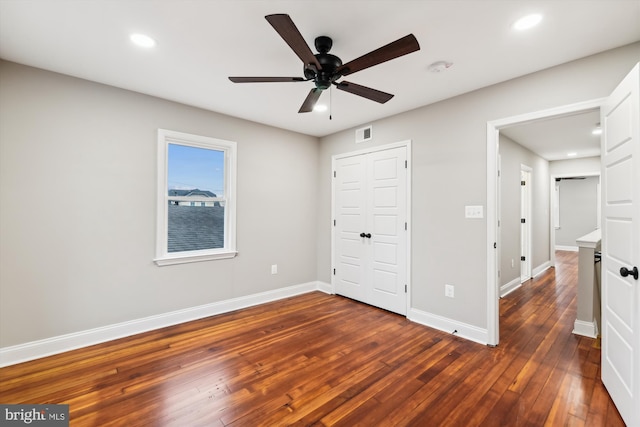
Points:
[(193, 168), (195, 173), (193, 228)]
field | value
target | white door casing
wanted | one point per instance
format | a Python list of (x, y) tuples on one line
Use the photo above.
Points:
[(620, 119), (370, 235), (525, 223)]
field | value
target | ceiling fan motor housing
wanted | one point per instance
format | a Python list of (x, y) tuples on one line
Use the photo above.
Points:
[(325, 77)]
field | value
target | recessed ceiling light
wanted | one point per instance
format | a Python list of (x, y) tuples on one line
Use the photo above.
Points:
[(142, 40), (527, 22), (573, 154), (320, 108)]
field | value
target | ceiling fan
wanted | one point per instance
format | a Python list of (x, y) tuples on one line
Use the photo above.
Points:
[(326, 69)]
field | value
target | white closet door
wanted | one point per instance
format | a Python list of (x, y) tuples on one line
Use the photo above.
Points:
[(370, 238), (386, 215), (349, 205)]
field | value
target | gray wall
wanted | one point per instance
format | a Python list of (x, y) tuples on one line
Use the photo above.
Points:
[(578, 209), (78, 207), (77, 198), (512, 156), (449, 171)]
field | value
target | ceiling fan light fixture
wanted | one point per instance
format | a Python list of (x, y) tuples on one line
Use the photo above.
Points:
[(320, 108), (528, 21), (572, 154), (142, 40)]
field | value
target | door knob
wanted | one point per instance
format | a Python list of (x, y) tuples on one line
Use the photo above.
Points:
[(362, 235), (624, 272), (368, 235)]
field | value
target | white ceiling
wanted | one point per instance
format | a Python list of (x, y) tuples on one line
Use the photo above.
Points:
[(201, 43), (555, 138)]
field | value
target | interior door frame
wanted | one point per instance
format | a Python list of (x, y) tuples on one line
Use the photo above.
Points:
[(525, 228), (373, 149), (493, 132)]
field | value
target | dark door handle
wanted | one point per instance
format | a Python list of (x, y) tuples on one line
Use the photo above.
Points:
[(362, 235), (624, 272), (368, 235)]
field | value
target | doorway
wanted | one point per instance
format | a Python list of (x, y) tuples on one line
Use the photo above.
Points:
[(493, 132)]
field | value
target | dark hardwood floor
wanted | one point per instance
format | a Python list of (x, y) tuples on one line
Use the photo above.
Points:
[(325, 360)]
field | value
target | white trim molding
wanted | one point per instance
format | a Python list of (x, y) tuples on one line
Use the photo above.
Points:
[(587, 329), (541, 269), (62, 343), (463, 330), (507, 288)]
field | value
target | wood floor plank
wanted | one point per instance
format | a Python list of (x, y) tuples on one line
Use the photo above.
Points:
[(325, 360)]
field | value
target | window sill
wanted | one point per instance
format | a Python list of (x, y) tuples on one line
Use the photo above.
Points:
[(184, 259)]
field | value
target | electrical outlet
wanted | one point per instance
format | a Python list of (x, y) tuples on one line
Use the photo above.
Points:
[(274, 269), (449, 291)]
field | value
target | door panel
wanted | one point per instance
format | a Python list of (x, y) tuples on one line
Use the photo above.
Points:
[(388, 178), (620, 117), (349, 205)]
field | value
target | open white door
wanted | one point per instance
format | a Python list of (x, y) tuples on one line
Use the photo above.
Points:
[(620, 118)]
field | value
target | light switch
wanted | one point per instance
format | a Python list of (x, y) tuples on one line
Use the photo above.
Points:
[(474, 212)]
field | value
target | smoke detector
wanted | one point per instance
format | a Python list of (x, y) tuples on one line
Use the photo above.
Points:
[(439, 66)]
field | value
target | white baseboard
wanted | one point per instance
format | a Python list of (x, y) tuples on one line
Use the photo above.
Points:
[(586, 329), (566, 248), (541, 269), (59, 344), (507, 288), (470, 332)]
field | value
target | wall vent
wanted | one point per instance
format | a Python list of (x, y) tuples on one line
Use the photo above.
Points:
[(364, 134)]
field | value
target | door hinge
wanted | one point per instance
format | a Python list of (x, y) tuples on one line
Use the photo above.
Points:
[(405, 289), (523, 183), (334, 222), (334, 174), (334, 271), (522, 258), (523, 220), (405, 164), (495, 245), (405, 226)]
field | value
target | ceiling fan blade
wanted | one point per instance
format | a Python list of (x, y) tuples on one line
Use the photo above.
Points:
[(365, 92), (310, 101), (266, 79), (284, 26), (393, 50)]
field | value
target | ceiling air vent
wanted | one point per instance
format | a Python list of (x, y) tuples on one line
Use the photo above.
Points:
[(364, 134)]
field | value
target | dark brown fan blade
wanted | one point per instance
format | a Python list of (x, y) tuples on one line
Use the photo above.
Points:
[(310, 102), (393, 50), (365, 92), (266, 79), (283, 24)]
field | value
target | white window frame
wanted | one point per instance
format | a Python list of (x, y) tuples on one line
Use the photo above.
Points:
[(163, 257)]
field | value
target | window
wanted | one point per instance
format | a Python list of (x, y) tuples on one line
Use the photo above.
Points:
[(196, 198)]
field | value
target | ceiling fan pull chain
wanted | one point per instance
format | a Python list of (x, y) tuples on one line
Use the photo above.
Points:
[(330, 101)]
